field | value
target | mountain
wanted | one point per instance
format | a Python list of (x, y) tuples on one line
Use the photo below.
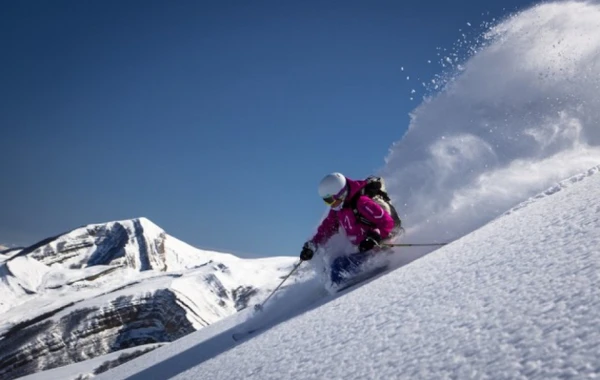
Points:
[(518, 298), (107, 287)]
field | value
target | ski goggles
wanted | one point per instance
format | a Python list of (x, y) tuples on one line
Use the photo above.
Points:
[(336, 200)]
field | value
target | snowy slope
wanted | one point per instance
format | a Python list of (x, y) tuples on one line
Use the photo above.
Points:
[(518, 298), (106, 287), (94, 366)]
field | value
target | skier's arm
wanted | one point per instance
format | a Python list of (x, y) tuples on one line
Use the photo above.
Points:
[(327, 228), (375, 214)]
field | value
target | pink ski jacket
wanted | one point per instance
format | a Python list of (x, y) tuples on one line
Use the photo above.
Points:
[(355, 230)]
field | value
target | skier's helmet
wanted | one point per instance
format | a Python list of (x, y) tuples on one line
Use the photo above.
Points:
[(333, 190)]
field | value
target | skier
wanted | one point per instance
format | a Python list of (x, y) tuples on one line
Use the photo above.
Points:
[(366, 216)]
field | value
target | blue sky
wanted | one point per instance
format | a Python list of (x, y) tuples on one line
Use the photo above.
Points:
[(215, 120)]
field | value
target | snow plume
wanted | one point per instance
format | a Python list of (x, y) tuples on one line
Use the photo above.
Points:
[(520, 114)]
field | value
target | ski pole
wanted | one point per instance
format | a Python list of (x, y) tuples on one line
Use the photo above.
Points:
[(413, 245), (260, 306)]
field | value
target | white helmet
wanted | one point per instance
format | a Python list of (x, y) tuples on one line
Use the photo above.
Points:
[(333, 190)]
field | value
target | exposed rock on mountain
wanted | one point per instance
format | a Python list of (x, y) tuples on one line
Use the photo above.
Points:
[(106, 287)]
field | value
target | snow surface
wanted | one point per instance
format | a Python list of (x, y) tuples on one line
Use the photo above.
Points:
[(8, 253), (518, 298), (86, 368)]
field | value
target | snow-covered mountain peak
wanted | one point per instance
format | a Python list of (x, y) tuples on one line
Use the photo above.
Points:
[(108, 286), (136, 243)]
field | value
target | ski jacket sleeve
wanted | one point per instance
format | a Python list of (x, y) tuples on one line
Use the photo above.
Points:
[(375, 214), (327, 228)]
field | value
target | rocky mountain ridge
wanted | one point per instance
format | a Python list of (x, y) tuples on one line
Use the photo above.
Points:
[(106, 287)]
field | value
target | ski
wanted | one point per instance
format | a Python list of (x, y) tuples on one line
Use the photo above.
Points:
[(361, 278)]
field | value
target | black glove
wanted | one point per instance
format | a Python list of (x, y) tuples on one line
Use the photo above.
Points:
[(373, 239), (307, 252)]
